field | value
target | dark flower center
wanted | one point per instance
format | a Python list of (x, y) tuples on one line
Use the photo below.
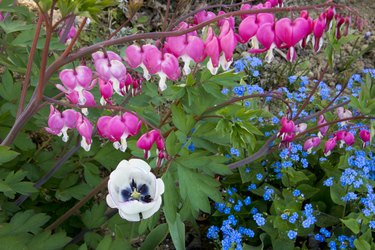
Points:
[(136, 192)]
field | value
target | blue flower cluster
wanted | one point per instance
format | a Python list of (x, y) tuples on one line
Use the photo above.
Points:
[(309, 217), (249, 63), (232, 233)]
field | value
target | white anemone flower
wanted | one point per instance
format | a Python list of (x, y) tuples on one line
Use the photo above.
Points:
[(134, 190)]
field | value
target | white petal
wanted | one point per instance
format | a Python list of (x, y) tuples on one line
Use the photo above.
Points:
[(65, 137), (146, 74), (110, 201), (85, 111), (81, 98), (129, 217), (124, 144), (162, 81), (269, 56), (135, 207), (140, 164), (159, 188), (116, 145), (84, 145), (211, 67), (103, 101), (116, 86), (186, 59), (254, 43), (224, 63), (154, 209), (320, 135)]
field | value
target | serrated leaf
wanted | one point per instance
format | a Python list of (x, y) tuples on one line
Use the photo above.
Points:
[(97, 212), (198, 188), (46, 241), (182, 121)]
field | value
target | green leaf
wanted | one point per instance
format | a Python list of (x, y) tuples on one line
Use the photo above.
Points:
[(177, 231), (182, 121), (92, 174), (170, 197), (362, 244), (6, 154), (172, 144), (337, 191), (105, 243), (8, 89), (24, 222), (14, 26), (46, 241), (226, 79), (197, 188), (97, 212), (352, 224), (155, 237)]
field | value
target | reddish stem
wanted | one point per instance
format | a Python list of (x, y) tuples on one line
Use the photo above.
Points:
[(29, 65)]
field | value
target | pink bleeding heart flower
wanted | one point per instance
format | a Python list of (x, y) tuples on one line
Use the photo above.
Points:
[(203, 16), (72, 32), (109, 55), (228, 43), (330, 13), (84, 128), (106, 91), (273, 3), (73, 96), (345, 137), (249, 26), (102, 126), (111, 70), (348, 21), (55, 122), (77, 79), (305, 14), (365, 136), (287, 138), (322, 130), (212, 50), (318, 30), (146, 141), (117, 133), (311, 143), (152, 59), (59, 123), (221, 22), (329, 146), (70, 117), (187, 48), (340, 20), (170, 69), (134, 57), (1, 16), (136, 87), (343, 113), (287, 126), (266, 36), (291, 32), (299, 128), (245, 7), (132, 122)]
